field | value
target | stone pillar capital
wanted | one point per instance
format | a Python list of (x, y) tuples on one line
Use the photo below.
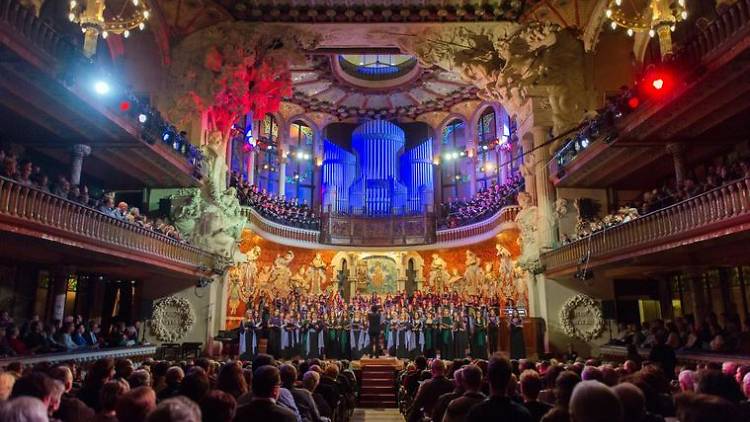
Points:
[(81, 150)]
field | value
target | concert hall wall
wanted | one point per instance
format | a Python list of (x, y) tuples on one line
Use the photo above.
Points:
[(277, 269)]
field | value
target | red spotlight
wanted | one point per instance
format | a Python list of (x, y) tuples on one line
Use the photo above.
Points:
[(125, 106), (634, 102), (657, 83)]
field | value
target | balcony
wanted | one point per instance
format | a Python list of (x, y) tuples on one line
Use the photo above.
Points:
[(708, 109), (717, 221), (363, 230), (445, 238), (45, 228), (48, 106)]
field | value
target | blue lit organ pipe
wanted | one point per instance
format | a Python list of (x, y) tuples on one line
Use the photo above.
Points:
[(338, 175), (377, 188), (416, 170)]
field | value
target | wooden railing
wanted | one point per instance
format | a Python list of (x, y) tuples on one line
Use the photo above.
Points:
[(718, 208), (82, 356), (490, 225), (363, 230), (620, 353), (41, 212)]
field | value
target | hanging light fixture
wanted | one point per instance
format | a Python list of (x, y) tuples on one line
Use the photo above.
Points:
[(126, 15), (655, 17)]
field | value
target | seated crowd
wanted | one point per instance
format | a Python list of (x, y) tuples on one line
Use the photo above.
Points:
[(573, 391), (686, 334), (483, 205), (27, 173), (70, 335), (275, 207), (189, 391), (670, 193)]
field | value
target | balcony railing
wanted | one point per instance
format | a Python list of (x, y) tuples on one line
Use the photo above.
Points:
[(277, 229), (673, 226), (444, 238), (362, 230), (41, 213), (82, 356), (486, 227)]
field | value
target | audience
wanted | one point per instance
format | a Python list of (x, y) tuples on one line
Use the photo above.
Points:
[(30, 175), (483, 205), (275, 208)]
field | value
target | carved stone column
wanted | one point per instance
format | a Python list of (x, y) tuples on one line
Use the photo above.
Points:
[(282, 176), (677, 151), (250, 167), (79, 152), (527, 168), (545, 192)]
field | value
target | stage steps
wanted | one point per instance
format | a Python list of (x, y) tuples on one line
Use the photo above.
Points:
[(378, 388)]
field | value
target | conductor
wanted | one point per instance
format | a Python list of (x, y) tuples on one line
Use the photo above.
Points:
[(374, 319)]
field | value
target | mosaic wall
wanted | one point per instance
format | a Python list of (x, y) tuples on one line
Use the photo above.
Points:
[(486, 268)]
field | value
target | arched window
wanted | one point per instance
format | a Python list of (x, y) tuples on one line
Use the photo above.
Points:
[(455, 165), (488, 155), (300, 182), (267, 160)]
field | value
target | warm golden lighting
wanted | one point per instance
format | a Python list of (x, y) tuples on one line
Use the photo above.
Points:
[(90, 15)]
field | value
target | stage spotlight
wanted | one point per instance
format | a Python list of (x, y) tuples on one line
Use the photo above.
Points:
[(101, 87), (142, 118)]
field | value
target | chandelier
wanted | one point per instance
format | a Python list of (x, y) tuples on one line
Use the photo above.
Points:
[(657, 17), (122, 17)]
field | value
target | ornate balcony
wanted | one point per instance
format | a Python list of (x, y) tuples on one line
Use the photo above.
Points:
[(719, 213), (30, 212), (135, 352), (351, 231)]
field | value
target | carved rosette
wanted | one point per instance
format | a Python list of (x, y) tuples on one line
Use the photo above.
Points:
[(168, 308), (591, 308)]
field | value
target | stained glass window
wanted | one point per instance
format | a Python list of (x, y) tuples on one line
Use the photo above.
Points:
[(488, 156), (300, 165), (455, 165)]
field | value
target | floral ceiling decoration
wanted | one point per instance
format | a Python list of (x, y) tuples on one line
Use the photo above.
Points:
[(232, 68)]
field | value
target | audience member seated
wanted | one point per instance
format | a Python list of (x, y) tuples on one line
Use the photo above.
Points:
[(276, 208), (483, 205), (30, 175)]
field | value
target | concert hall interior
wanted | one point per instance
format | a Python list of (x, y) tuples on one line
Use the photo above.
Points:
[(360, 185)]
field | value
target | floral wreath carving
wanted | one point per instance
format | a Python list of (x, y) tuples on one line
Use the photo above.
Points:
[(566, 318), (187, 318)]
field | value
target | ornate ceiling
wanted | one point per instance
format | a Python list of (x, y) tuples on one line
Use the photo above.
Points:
[(320, 87)]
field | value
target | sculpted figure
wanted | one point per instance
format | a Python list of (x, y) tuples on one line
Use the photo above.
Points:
[(439, 275), (473, 275), (317, 274), (528, 221)]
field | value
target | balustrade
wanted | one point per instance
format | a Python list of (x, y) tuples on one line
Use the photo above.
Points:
[(44, 212), (718, 207)]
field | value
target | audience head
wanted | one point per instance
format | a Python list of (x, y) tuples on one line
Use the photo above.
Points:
[(174, 376), (64, 375), (218, 406), (719, 384), (24, 409), (35, 384), (472, 378), (176, 409), (140, 378), (266, 382), (7, 380), (633, 401), (332, 371), (310, 380), (704, 408), (593, 401), (437, 368), (288, 375), (531, 385), (195, 385), (135, 405), (231, 379), (686, 380), (564, 386), (111, 393), (498, 374), (421, 362)]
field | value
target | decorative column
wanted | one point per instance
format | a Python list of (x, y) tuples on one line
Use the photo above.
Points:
[(545, 192), (677, 151), (79, 152), (527, 168), (437, 173), (471, 148), (282, 174), (317, 157), (250, 166)]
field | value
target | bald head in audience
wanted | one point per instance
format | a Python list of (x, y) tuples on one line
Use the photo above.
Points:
[(593, 401)]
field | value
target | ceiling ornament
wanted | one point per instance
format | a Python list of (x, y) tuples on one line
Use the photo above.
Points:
[(96, 19), (511, 63), (232, 68), (655, 17), (365, 11)]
